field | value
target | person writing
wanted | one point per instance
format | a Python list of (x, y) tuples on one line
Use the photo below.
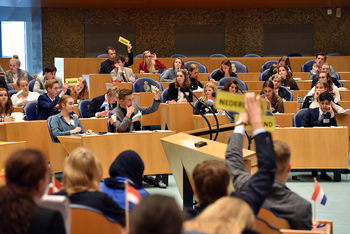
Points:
[(101, 105), (12, 75), (175, 94), (80, 92), (23, 96), (6, 107), (277, 105), (150, 63), (121, 73), (225, 71)]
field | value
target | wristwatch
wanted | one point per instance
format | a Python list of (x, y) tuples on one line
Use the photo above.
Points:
[(240, 122)]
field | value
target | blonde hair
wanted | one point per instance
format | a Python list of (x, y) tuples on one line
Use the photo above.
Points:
[(82, 171), (113, 91), (282, 154), (225, 216), (84, 94), (15, 59), (150, 66), (21, 79), (211, 85), (277, 77), (63, 100)]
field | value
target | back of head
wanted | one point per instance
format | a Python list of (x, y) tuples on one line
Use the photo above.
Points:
[(268, 83), (282, 154), (50, 68), (82, 171), (113, 91), (325, 96), (63, 100), (156, 214), (211, 179)]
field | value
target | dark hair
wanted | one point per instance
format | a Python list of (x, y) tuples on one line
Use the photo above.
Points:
[(119, 57), (227, 63), (182, 63), (123, 93), (187, 81), (274, 99), (322, 54), (50, 68), (288, 76), (109, 48), (229, 83), (325, 96), (24, 169), (8, 108), (164, 215), (283, 59)]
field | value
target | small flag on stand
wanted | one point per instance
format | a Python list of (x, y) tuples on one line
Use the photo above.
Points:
[(112, 119), (133, 196), (210, 101), (300, 99), (137, 117), (318, 195), (54, 186), (20, 94), (104, 104)]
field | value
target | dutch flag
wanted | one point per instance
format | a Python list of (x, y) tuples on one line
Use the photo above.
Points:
[(104, 104), (319, 195), (210, 101)]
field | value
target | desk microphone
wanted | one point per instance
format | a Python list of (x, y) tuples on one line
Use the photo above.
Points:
[(236, 83)]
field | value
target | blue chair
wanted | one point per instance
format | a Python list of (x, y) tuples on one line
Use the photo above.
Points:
[(295, 55), (135, 76), (10, 87), (178, 55), (238, 67), (30, 77), (333, 54), (48, 122), (307, 66), (12, 92), (202, 68), (83, 106), (251, 55), (30, 110), (268, 64), (99, 69), (290, 93), (109, 126), (102, 56), (140, 84), (138, 56), (241, 84), (162, 74), (31, 85), (220, 87), (217, 56), (263, 75), (298, 117), (196, 104), (211, 74), (164, 95), (161, 70)]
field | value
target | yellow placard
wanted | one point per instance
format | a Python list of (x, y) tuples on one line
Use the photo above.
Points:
[(153, 88), (233, 102), (123, 41), (269, 123), (72, 81)]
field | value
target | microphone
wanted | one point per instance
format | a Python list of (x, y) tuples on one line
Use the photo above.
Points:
[(239, 88)]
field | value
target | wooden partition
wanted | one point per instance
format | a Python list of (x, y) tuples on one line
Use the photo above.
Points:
[(146, 99), (5, 63), (176, 116)]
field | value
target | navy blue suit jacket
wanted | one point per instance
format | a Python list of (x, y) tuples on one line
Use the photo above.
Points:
[(311, 119), (46, 107), (95, 106), (106, 66)]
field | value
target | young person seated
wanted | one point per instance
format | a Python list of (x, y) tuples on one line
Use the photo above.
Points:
[(225, 71), (276, 101), (6, 107), (277, 82), (288, 80), (48, 100), (108, 65), (101, 105), (193, 71), (82, 173), (279, 198), (174, 93), (12, 75), (65, 123), (23, 96), (27, 177), (80, 92), (317, 67), (127, 166), (208, 99), (120, 73), (283, 61), (231, 86), (170, 74), (150, 63), (325, 68), (331, 87), (50, 74)]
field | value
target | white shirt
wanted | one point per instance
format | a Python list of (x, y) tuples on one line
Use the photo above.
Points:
[(32, 96)]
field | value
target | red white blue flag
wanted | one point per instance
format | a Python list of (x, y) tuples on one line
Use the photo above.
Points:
[(104, 104), (319, 195), (210, 101)]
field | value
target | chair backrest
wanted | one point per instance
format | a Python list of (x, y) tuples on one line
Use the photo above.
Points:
[(298, 117), (83, 106), (239, 67), (162, 74), (109, 126), (30, 77), (211, 74), (202, 68), (99, 69), (217, 56), (48, 122), (337, 76), (10, 87), (30, 110), (143, 84), (241, 84), (102, 56), (135, 76), (262, 76), (138, 56), (164, 95), (31, 85), (295, 55), (290, 93), (273, 219), (307, 66), (178, 55), (196, 104), (88, 221), (268, 64), (12, 92), (261, 226), (251, 55), (333, 54)]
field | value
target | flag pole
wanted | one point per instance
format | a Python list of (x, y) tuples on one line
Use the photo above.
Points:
[(141, 120), (315, 222), (126, 185)]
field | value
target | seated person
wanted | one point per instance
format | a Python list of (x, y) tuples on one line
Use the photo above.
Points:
[(80, 92), (170, 74), (127, 110), (15, 72), (3, 83), (332, 88), (121, 73), (150, 63), (48, 100), (65, 123), (50, 74), (108, 65), (6, 107), (231, 86), (225, 71), (23, 96), (174, 93), (1, 70), (283, 61), (277, 82), (211, 180), (208, 99), (101, 105), (280, 199), (193, 71), (288, 80), (276, 101), (27, 177), (325, 68), (127, 166), (82, 173), (317, 67)]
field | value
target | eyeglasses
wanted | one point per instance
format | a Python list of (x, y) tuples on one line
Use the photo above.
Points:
[(149, 56)]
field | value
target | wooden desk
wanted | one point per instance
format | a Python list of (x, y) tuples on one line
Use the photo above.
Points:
[(291, 106), (199, 121), (146, 99), (328, 229), (121, 85), (96, 83), (176, 116), (5, 63), (108, 147)]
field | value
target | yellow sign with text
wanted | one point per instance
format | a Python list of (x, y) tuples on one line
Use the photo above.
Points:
[(233, 102), (269, 123), (124, 41), (72, 81)]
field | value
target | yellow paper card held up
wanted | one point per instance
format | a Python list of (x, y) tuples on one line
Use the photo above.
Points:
[(72, 81), (233, 102), (153, 88), (123, 41), (269, 123)]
